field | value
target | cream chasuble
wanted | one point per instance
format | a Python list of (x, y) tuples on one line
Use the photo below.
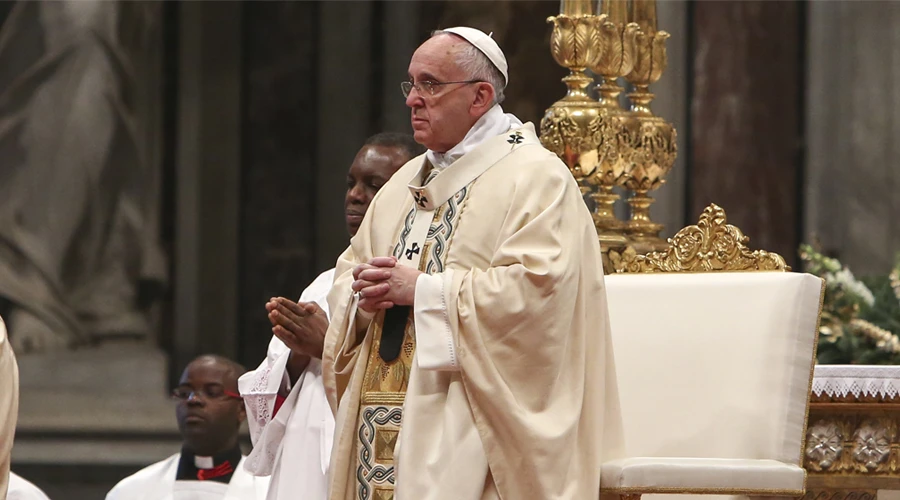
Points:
[(497, 374)]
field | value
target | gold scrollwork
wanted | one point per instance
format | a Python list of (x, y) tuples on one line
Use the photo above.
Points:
[(557, 129), (611, 138), (654, 149), (562, 133), (711, 245)]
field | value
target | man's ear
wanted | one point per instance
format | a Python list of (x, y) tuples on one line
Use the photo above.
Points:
[(484, 98)]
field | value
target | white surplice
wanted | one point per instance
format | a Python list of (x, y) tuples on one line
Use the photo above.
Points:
[(294, 445), (22, 489), (157, 482)]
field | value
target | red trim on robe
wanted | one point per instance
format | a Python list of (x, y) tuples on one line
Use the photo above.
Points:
[(222, 469), (279, 400)]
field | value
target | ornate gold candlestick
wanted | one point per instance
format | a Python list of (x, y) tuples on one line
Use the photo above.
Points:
[(571, 126), (655, 145), (617, 38)]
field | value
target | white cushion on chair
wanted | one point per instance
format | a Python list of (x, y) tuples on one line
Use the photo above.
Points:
[(702, 475)]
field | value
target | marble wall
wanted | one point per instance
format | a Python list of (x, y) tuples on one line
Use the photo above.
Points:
[(852, 191), (745, 139), (207, 181), (279, 163)]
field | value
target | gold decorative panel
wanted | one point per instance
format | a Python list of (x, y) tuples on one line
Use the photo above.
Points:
[(383, 494), (710, 245), (385, 440), (852, 447), (848, 443)]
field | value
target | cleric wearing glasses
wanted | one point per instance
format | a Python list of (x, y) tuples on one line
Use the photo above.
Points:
[(466, 350), (210, 464)]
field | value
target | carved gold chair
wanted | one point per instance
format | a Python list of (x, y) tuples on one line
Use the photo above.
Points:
[(713, 366)]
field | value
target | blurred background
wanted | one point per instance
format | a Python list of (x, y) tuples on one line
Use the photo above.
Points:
[(167, 167)]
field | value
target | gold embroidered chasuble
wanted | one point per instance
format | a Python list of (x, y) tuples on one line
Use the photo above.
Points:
[(516, 408), (385, 383)]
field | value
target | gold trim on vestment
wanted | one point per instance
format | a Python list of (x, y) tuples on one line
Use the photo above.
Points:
[(385, 383), (388, 377), (384, 398)]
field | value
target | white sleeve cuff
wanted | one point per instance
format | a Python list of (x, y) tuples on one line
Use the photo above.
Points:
[(435, 349)]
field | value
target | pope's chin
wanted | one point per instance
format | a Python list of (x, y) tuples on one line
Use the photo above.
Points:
[(420, 130)]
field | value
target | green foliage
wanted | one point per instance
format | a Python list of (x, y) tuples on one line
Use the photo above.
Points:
[(860, 317)]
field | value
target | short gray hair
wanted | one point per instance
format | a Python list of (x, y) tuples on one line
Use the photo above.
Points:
[(478, 66)]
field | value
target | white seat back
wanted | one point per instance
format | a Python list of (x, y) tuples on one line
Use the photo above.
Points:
[(714, 365)]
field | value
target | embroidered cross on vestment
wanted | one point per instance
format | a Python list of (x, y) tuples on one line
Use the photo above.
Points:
[(420, 198), (413, 250), (515, 139)]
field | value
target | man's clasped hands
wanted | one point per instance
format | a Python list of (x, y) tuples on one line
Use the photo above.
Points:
[(381, 283)]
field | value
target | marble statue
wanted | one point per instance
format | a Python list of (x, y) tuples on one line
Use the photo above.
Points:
[(79, 199)]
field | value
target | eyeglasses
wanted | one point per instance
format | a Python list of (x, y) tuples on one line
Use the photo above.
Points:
[(207, 393), (427, 87)]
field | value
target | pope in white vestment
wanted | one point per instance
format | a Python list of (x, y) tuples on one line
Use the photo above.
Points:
[(467, 353), (291, 425), (9, 405)]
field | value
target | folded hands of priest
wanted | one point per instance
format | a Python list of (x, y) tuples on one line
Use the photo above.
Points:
[(381, 284), (300, 325)]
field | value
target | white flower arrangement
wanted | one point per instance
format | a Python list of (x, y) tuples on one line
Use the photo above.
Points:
[(844, 278), (859, 317)]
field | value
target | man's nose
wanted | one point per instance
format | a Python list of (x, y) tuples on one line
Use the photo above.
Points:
[(356, 193), (414, 100)]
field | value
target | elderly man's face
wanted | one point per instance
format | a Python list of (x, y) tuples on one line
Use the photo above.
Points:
[(441, 121)]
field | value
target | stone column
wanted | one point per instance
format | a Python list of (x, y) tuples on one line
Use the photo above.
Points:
[(400, 28), (279, 165), (207, 180), (745, 138), (853, 122), (344, 115)]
